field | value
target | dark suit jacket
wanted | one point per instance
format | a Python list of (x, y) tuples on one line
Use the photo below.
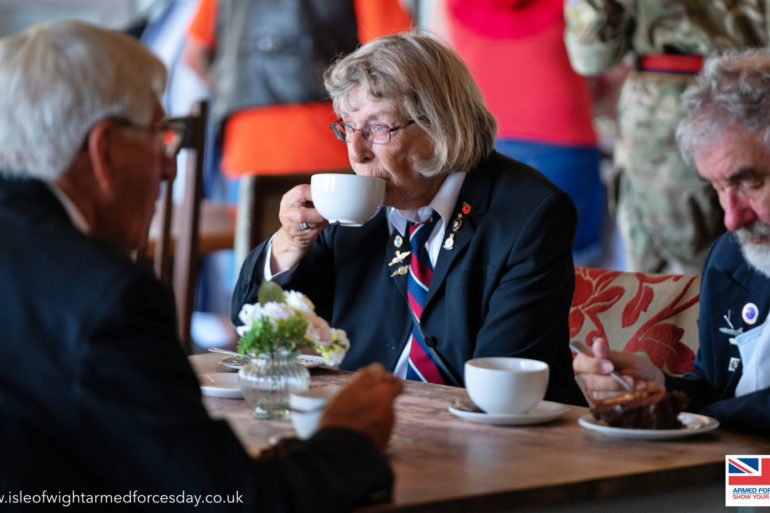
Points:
[(96, 393), (504, 289), (728, 283)]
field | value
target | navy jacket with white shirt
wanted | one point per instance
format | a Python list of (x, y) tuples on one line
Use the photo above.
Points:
[(504, 289), (728, 284)]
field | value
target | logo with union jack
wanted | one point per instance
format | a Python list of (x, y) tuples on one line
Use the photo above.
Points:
[(748, 470)]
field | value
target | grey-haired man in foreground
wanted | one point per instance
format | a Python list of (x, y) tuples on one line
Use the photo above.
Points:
[(96, 394)]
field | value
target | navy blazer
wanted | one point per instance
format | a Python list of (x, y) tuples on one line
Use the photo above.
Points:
[(97, 395), (727, 285), (504, 289)]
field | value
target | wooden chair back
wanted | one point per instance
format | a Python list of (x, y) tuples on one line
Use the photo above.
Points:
[(175, 252)]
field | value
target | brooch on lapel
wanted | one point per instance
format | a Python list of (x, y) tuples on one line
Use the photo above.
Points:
[(750, 313), (730, 330), (401, 271), (449, 243), (400, 256)]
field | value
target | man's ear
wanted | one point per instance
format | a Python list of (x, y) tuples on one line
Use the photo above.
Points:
[(99, 143)]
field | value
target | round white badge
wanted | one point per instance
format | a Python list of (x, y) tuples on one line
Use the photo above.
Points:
[(750, 313)]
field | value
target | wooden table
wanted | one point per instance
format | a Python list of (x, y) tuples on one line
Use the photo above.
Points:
[(446, 464)]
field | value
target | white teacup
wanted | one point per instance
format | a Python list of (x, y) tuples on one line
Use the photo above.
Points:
[(504, 385), (307, 406), (347, 199)]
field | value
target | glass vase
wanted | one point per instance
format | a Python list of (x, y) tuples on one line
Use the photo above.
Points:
[(267, 380)]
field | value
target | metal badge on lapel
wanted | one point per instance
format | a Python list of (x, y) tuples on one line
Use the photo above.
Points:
[(750, 313), (449, 243), (400, 256), (398, 241), (401, 271)]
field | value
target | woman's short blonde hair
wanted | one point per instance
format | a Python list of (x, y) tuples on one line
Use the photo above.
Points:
[(434, 87)]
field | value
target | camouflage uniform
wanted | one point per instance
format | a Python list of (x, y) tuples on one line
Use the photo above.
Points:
[(667, 216)]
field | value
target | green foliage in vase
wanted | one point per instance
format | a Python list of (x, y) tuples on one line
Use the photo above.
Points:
[(287, 319)]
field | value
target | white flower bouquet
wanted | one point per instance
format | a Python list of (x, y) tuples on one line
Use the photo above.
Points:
[(287, 319)]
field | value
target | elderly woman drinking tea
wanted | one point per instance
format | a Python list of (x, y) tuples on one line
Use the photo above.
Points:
[(471, 256)]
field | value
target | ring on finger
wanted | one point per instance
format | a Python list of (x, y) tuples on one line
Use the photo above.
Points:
[(303, 226)]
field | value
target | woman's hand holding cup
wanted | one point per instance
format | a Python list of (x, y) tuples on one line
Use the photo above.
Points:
[(300, 226)]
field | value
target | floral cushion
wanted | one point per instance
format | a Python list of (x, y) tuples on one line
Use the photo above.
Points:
[(654, 313)]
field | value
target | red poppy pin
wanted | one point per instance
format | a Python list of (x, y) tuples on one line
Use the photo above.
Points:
[(466, 208)]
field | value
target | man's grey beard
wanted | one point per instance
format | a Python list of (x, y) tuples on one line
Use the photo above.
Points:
[(757, 255)]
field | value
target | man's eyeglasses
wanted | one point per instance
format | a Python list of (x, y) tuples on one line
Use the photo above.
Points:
[(375, 133), (170, 131)]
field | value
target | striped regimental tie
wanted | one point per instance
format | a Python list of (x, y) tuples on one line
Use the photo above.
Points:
[(421, 366)]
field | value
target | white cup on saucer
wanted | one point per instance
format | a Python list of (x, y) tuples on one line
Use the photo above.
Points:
[(347, 199), (504, 385), (307, 407)]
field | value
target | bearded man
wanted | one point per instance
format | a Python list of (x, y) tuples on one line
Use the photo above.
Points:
[(727, 134)]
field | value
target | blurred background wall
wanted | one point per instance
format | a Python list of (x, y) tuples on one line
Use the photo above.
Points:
[(15, 15)]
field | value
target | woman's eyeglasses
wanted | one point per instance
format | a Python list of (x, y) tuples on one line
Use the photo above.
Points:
[(375, 133)]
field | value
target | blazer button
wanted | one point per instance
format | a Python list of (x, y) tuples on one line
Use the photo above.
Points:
[(431, 341)]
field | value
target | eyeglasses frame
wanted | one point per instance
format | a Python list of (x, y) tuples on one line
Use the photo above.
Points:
[(342, 136), (176, 125)]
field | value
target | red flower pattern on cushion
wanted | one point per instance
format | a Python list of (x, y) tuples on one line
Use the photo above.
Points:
[(593, 295), (662, 341), (658, 333)]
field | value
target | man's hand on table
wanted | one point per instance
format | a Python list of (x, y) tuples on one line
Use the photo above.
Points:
[(366, 404), (636, 370)]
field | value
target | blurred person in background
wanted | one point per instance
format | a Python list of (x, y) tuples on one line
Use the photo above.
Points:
[(264, 62), (515, 50), (667, 216)]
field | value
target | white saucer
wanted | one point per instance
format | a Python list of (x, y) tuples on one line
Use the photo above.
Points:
[(544, 411), (306, 360), (233, 362), (310, 361), (694, 424), (220, 384)]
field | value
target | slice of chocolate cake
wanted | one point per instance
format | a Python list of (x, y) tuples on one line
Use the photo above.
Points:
[(642, 409)]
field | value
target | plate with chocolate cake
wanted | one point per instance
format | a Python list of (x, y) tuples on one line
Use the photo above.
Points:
[(648, 414)]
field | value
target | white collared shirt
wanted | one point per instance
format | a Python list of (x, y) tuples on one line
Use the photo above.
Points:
[(754, 346), (69, 206), (444, 203)]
